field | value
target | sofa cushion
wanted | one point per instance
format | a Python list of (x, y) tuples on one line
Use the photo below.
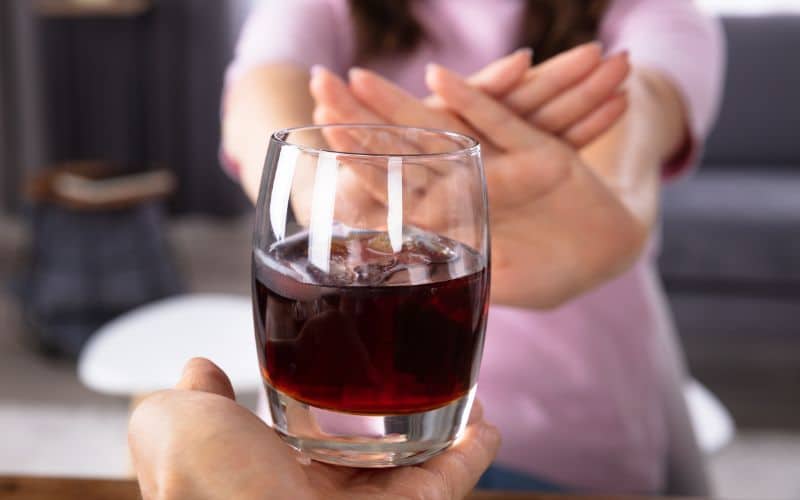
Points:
[(733, 226), (760, 112)]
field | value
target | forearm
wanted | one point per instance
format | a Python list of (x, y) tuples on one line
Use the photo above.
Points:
[(262, 101), (630, 157)]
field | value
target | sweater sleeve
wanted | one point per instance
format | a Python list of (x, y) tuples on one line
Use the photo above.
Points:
[(687, 46), (299, 32), (302, 32)]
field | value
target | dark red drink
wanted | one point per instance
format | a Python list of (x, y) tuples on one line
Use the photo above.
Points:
[(380, 332)]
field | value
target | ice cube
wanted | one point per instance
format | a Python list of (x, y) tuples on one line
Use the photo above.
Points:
[(380, 243), (339, 247), (376, 271), (431, 249), (367, 258), (339, 273)]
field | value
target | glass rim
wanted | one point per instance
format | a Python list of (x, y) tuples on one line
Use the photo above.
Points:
[(473, 146)]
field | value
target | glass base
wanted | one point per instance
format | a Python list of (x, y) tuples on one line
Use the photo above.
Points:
[(366, 440)]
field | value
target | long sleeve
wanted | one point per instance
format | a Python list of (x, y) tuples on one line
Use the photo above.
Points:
[(686, 45), (302, 32)]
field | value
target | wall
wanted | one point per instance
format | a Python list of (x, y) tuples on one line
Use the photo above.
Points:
[(21, 139), (138, 91)]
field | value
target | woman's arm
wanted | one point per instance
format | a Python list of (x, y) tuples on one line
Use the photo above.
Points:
[(630, 156), (557, 229), (274, 96), (263, 100), (267, 82), (578, 234), (678, 57)]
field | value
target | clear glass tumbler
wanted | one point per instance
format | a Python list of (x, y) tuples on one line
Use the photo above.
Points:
[(370, 289)]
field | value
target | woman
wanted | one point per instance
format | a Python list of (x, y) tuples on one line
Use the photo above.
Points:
[(578, 372)]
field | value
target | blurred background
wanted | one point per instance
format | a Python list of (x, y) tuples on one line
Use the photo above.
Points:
[(111, 196)]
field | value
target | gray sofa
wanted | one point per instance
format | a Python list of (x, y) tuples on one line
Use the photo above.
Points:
[(731, 247)]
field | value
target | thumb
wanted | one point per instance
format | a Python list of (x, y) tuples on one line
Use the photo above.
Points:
[(200, 374), (459, 468)]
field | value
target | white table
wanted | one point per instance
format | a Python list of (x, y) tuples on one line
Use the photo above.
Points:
[(145, 350)]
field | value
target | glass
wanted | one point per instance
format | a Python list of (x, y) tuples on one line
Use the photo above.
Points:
[(370, 289)]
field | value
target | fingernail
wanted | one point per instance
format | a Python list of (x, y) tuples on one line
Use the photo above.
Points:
[(524, 50), (597, 44), (316, 69), (432, 67), (429, 68), (355, 72)]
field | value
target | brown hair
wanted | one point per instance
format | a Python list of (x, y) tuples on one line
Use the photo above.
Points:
[(549, 27)]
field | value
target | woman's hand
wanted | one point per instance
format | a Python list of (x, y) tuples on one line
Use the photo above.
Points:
[(575, 96), (196, 442), (557, 229)]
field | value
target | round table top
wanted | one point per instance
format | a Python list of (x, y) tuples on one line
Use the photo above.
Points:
[(145, 349), (41, 488)]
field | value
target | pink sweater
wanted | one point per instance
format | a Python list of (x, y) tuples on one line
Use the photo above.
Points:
[(577, 392)]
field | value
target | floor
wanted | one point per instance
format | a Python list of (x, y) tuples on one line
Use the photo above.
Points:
[(47, 414)]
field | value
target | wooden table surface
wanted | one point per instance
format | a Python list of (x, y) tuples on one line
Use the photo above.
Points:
[(48, 488)]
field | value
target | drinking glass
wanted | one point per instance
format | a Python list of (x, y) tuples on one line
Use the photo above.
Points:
[(370, 289)]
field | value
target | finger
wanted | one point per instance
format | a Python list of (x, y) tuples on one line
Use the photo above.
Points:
[(324, 115), (370, 174), (337, 104), (368, 177), (492, 119), (598, 122), (552, 77), (148, 440), (337, 139), (498, 78), (200, 374), (358, 205), (348, 140), (502, 75), (340, 139), (387, 142), (559, 114), (374, 169), (361, 183), (331, 92), (396, 105), (476, 414), (460, 467), (354, 140)]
